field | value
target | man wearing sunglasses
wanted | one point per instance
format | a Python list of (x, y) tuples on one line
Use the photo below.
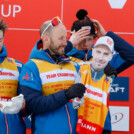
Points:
[(48, 82)]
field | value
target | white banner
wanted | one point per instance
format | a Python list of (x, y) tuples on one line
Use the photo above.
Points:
[(119, 118)]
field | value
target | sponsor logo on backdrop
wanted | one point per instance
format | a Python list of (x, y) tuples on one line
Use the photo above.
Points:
[(119, 118), (117, 4), (116, 117), (119, 90)]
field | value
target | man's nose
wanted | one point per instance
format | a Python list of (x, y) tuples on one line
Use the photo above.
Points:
[(100, 57)]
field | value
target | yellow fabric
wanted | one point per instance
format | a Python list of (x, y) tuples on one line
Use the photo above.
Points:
[(81, 62), (53, 77), (9, 78), (94, 110), (75, 59)]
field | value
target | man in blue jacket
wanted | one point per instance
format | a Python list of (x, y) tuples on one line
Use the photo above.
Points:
[(82, 45), (48, 82), (9, 87)]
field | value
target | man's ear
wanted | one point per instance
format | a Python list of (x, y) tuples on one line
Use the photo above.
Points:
[(46, 39)]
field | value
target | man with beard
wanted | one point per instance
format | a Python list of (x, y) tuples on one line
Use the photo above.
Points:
[(48, 82), (92, 114)]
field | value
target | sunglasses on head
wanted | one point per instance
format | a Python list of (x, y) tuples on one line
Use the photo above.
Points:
[(54, 22)]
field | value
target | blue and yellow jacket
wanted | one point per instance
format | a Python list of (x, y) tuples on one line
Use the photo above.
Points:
[(9, 87), (43, 82)]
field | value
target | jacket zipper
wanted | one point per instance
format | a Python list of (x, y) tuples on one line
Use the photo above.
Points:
[(6, 124), (69, 121)]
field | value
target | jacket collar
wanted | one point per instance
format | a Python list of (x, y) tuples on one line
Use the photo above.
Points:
[(3, 54)]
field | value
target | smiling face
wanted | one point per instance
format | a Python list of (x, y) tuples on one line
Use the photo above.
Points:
[(101, 56), (58, 40)]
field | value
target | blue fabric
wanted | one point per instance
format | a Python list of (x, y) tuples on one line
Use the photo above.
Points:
[(69, 47), (125, 50), (15, 123), (31, 71), (3, 54), (79, 54), (49, 112), (37, 54), (96, 75), (19, 66), (39, 104), (107, 125)]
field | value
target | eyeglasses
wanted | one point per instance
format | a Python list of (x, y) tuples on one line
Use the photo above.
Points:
[(54, 22)]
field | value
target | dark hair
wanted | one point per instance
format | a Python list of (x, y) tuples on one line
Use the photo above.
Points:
[(83, 20), (3, 26)]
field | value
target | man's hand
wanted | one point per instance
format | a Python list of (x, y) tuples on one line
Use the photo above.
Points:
[(13, 106), (100, 30), (76, 90), (110, 71), (78, 36)]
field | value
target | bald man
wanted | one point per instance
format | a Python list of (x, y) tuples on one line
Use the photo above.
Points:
[(48, 82)]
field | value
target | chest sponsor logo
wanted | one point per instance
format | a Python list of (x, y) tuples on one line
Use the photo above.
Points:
[(96, 94), (26, 77), (57, 75), (7, 74)]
